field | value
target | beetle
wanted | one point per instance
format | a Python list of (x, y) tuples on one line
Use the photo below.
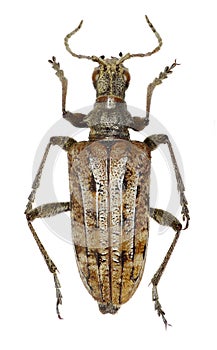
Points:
[(109, 180)]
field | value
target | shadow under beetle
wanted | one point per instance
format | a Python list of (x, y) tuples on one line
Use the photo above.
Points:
[(109, 179)]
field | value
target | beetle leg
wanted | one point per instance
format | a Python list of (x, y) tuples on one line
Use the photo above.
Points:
[(157, 81), (47, 210), (140, 123), (75, 118), (153, 142), (62, 78), (166, 219), (62, 141), (42, 211)]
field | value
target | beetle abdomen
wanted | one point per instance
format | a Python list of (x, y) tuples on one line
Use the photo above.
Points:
[(110, 217)]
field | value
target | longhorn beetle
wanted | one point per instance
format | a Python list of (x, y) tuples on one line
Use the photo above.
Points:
[(109, 178)]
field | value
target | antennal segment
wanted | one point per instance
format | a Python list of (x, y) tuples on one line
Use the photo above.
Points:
[(92, 58), (156, 49), (68, 36)]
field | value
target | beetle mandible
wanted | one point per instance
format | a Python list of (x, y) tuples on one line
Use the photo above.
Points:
[(109, 178)]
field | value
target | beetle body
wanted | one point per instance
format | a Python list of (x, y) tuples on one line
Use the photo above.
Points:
[(109, 181), (109, 186)]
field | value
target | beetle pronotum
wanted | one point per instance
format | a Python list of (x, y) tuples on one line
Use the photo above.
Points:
[(109, 178)]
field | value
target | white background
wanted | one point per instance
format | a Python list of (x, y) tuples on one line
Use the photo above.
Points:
[(33, 31)]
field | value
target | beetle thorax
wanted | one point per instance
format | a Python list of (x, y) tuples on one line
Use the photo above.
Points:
[(110, 79)]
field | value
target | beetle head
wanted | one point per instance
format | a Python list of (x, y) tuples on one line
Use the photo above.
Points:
[(111, 79)]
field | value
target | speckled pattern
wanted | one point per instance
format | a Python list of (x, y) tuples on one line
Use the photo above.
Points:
[(109, 186), (111, 79)]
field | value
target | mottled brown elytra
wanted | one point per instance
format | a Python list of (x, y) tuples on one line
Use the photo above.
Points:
[(109, 179)]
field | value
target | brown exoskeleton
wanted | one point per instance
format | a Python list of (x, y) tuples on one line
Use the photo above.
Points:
[(109, 179)]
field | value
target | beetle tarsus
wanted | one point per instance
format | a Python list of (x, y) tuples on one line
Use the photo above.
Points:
[(185, 213), (58, 294), (187, 218), (58, 311), (161, 313), (62, 78), (59, 302), (157, 81), (158, 306)]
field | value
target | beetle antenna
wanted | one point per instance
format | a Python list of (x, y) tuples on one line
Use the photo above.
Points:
[(156, 49), (68, 36), (92, 58)]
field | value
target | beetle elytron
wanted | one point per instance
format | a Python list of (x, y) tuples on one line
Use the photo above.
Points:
[(109, 179)]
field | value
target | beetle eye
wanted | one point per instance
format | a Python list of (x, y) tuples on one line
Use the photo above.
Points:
[(127, 77), (95, 75)]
